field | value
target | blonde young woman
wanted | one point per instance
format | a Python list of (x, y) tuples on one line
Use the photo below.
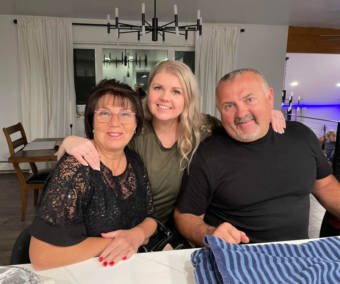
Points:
[(173, 129)]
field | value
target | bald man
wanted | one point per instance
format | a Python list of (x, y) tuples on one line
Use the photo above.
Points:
[(247, 183)]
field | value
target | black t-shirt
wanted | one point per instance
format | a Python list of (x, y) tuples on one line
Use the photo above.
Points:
[(79, 202), (261, 187)]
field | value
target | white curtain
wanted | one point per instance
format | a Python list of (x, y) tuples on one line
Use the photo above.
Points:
[(47, 96), (216, 55)]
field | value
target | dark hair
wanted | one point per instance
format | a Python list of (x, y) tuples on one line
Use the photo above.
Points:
[(141, 93), (116, 89)]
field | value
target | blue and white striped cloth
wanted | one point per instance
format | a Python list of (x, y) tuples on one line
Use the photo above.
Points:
[(314, 262)]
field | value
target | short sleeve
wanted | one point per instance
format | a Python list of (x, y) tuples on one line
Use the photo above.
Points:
[(60, 220), (195, 192), (323, 167)]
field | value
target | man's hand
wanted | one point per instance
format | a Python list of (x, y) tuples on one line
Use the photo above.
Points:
[(82, 149), (230, 234), (193, 228)]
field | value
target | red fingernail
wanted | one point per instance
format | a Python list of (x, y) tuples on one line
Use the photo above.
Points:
[(101, 259), (124, 258), (105, 263), (112, 263)]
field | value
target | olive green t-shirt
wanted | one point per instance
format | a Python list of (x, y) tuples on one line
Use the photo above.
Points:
[(163, 166)]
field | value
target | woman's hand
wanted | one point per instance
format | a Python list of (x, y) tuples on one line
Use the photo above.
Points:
[(278, 121), (82, 149), (123, 245)]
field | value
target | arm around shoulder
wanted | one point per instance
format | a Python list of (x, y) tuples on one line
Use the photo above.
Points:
[(82, 149)]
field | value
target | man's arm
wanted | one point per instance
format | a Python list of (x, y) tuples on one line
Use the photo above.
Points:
[(193, 228), (327, 191)]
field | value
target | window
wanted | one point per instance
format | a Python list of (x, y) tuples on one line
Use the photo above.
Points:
[(131, 66), (187, 57), (84, 73)]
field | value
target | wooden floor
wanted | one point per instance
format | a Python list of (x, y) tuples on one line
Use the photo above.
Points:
[(10, 212)]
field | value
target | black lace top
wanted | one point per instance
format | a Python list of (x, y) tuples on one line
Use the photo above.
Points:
[(79, 202)]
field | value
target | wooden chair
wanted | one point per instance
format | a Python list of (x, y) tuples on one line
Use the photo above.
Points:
[(37, 179)]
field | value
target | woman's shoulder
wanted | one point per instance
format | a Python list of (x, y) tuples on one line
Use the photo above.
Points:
[(136, 162), (146, 136), (147, 127), (133, 156), (68, 166), (69, 160)]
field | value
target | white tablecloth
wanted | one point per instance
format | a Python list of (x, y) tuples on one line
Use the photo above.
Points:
[(156, 267)]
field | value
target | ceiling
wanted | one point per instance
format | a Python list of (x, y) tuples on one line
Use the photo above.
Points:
[(320, 13), (317, 74)]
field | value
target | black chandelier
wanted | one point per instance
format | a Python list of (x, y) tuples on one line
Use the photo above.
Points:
[(147, 27)]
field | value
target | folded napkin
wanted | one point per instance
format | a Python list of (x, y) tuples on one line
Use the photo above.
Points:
[(18, 275), (313, 262)]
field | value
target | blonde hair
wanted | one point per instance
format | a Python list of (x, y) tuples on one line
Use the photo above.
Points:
[(190, 119), (330, 133)]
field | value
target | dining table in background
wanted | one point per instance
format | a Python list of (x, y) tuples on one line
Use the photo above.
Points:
[(37, 155)]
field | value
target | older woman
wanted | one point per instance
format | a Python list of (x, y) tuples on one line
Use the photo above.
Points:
[(173, 129), (85, 213)]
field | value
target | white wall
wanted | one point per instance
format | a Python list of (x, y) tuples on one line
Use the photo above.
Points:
[(9, 99), (261, 47)]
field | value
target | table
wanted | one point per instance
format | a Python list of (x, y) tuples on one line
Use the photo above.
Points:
[(24, 156), (155, 267)]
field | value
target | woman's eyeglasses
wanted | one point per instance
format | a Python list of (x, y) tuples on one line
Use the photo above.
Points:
[(124, 116)]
